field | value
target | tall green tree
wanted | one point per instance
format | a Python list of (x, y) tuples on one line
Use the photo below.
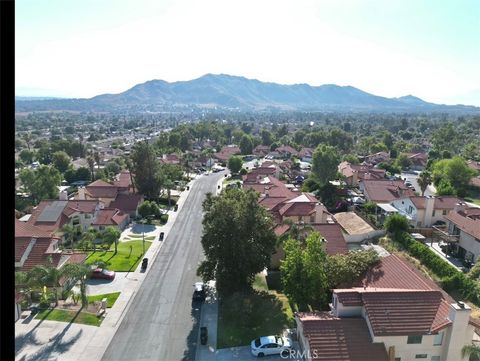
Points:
[(146, 168), (61, 161), (41, 183), (472, 352), (303, 272), (246, 144), (424, 180), (238, 239), (325, 164), (455, 171), (235, 164), (396, 224)]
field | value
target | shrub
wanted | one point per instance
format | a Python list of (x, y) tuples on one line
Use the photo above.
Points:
[(396, 224)]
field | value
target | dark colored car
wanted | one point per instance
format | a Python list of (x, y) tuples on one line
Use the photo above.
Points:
[(144, 264), (199, 292), (161, 236), (102, 273), (203, 335)]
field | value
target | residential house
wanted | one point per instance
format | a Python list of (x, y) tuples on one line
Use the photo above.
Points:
[(418, 160), (306, 154), (170, 159), (35, 246), (424, 211), (355, 228), (286, 151), (261, 150), (464, 224), (226, 153), (393, 313), (52, 215), (110, 217), (376, 158), (355, 173), (384, 191)]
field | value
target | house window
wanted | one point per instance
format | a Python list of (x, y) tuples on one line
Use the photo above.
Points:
[(410, 209), (102, 228), (75, 220), (444, 212), (88, 216), (421, 355), (433, 213), (312, 219), (435, 358), (414, 339), (438, 339), (300, 218), (398, 359)]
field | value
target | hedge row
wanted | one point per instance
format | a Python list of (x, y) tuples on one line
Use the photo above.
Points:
[(451, 278)]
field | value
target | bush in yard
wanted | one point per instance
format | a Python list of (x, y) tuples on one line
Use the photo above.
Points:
[(396, 224), (149, 208), (243, 171), (235, 164)]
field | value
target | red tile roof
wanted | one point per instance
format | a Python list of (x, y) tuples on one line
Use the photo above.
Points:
[(81, 206), (127, 203), (109, 216), (287, 149), (24, 229), (442, 202), (38, 255), (468, 221), (381, 191), (102, 191), (99, 183), (343, 339), (124, 180), (227, 152), (333, 234), (349, 297), (297, 209), (397, 313)]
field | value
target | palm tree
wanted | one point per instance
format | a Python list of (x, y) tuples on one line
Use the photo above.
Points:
[(89, 237), (424, 180), (472, 352), (168, 184), (91, 165), (69, 233), (297, 230), (46, 275), (78, 272), (110, 235)]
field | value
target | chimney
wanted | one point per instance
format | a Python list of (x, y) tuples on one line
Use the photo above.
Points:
[(354, 178), (81, 193), (460, 207), (429, 208), (63, 196), (460, 334)]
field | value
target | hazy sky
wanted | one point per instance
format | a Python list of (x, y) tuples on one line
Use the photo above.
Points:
[(428, 48)]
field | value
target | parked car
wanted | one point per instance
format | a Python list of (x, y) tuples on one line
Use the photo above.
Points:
[(270, 345), (199, 292), (102, 273), (144, 264), (203, 335)]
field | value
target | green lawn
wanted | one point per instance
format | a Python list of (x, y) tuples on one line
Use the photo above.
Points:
[(111, 298), (85, 318), (125, 260), (244, 317)]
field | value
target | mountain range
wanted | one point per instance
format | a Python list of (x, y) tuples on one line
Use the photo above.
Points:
[(220, 91)]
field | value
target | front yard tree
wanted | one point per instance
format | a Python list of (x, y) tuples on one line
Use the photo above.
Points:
[(303, 272), (146, 168), (246, 144), (325, 163), (49, 276), (235, 164), (61, 160), (41, 183), (111, 235), (238, 239), (396, 224), (78, 272)]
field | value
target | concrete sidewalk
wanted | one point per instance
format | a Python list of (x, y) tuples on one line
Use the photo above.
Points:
[(50, 340), (209, 319)]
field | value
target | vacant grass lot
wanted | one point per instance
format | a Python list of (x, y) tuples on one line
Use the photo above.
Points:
[(125, 260), (111, 298), (243, 317), (85, 318)]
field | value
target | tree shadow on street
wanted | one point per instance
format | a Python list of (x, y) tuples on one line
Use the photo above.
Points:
[(55, 345), (192, 338)]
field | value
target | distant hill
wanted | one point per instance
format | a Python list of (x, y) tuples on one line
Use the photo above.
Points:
[(239, 93)]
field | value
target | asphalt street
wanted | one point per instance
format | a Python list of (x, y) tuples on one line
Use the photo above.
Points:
[(162, 322)]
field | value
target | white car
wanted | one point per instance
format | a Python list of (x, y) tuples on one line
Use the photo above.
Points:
[(270, 345)]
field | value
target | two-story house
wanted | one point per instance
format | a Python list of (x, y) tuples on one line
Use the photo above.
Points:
[(355, 173), (464, 223), (395, 313)]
